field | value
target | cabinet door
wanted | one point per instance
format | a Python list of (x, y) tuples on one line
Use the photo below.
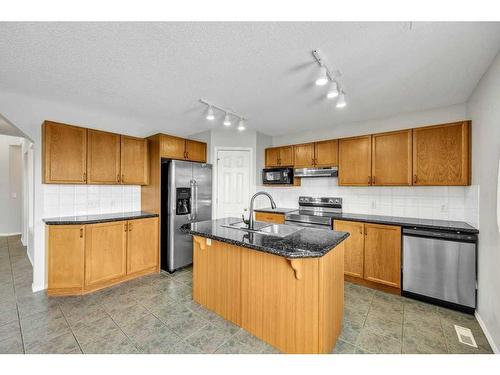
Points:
[(64, 154), (66, 249), (270, 217), (272, 157), (103, 157), (355, 161), (303, 155), (172, 147), (326, 153), (286, 156), (353, 245), (105, 253), (441, 154), (383, 254), (196, 151), (134, 161), (392, 158), (142, 245)]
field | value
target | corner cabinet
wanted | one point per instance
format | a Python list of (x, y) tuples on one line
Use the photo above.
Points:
[(64, 150), (85, 258), (441, 154)]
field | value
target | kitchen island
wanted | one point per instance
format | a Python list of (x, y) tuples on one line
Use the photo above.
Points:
[(287, 290)]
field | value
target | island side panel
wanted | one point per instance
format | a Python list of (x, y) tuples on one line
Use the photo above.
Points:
[(216, 277), (331, 298)]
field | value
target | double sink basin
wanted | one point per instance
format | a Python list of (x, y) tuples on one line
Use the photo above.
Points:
[(276, 230)]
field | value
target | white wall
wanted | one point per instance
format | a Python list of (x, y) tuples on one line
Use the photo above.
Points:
[(10, 183), (28, 113), (484, 110)]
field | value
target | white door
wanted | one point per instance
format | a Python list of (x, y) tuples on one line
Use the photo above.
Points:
[(233, 182)]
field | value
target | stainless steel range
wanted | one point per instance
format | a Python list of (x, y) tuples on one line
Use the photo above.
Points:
[(315, 212)]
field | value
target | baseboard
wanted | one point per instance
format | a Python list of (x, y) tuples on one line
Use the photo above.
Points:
[(10, 234), (37, 288), (487, 334), (28, 255)]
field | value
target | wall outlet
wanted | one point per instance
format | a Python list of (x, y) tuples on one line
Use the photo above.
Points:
[(444, 208)]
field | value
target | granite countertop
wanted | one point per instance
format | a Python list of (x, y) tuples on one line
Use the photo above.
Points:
[(305, 243), (101, 218), (408, 222), (277, 210)]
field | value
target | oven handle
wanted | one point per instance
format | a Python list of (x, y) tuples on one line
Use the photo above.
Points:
[(310, 225)]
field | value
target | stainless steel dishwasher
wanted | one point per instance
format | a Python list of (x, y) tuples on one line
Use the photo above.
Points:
[(440, 267)]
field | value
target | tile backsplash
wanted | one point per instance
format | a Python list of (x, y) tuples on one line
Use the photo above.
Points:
[(458, 203), (70, 200)]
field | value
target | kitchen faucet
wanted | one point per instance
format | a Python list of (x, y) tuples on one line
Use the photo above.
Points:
[(250, 219)]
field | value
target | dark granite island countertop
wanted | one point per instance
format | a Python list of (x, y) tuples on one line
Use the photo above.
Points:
[(305, 243), (99, 218)]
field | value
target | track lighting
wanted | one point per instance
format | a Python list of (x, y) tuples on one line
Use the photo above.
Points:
[(241, 125), (333, 92), (210, 113), (227, 115), (323, 77), (341, 103), (227, 121)]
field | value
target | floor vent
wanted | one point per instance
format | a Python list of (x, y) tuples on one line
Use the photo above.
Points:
[(465, 336)]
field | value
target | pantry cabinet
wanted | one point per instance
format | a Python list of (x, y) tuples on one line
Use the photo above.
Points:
[(355, 161), (279, 156), (103, 157), (64, 150), (88, 257), (392, 158), (441, 154)]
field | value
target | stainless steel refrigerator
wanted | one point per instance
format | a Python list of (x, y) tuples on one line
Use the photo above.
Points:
[(186, 197)]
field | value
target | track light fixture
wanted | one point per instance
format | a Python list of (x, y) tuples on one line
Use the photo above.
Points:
[(326, 75), (227, 115)]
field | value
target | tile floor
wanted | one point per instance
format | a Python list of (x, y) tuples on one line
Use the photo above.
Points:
[(156, 314)]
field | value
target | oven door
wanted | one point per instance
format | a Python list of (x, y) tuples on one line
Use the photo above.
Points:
[(308, 225)]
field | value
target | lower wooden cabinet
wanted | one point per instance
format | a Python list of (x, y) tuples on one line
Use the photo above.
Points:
[(84, 258), (270, 217), (372, 254)]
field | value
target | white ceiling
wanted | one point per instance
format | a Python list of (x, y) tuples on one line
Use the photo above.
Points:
[(265, 71), (6, 128)]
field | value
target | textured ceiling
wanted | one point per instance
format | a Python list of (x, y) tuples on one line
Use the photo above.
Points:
[(265, 71)]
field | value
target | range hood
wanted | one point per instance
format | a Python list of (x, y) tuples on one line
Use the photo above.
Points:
[(316, 172)]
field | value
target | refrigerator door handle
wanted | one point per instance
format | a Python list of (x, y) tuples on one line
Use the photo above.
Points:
[(195, 200), (192, 186)]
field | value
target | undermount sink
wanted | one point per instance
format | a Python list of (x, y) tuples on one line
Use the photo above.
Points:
[(277, 230)]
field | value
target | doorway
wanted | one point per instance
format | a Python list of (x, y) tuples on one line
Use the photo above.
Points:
[(234, 173)]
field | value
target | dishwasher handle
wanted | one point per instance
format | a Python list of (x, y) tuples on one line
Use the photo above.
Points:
[(444, 235)]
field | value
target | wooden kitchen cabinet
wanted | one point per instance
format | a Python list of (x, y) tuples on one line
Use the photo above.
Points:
[(270, 217), (105, 253), (392, 158), (383, 254), (196, 151), (303, 155), (279, 156), (441, 154), (134, 161), (142, 245), (64, 149), (103, 157), (354, 247), (355, 161), (326, 153), (66, 256)]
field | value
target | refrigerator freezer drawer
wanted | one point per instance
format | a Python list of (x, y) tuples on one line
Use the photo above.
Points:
[(441, 269)]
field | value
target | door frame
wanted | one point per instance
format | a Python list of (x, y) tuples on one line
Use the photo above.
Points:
[(215, 201)]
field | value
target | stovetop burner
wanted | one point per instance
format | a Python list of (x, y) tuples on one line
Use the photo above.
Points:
[(316, 210)]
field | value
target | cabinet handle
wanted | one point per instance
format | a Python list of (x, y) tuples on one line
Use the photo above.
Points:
[(123, 178), (369, 180), (81, 232), (118, 177), (373, 179), (125, 227), (130, 227), (414, 178), (84, 176), (187, 154)]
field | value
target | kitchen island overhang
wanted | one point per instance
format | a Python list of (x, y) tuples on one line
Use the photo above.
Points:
[(288, 291)]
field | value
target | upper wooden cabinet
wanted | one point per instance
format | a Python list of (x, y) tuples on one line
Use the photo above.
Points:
[(103, 157), (279, 156), (134, 161), (182, 149), (441, 154), (355, 161), (303, 155), (64, 153), (392, 158), (326, 153)]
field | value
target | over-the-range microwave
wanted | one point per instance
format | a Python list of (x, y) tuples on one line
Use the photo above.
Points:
[(282, 176)]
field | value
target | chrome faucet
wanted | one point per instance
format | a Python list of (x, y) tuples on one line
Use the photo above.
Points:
[(250, 219)]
